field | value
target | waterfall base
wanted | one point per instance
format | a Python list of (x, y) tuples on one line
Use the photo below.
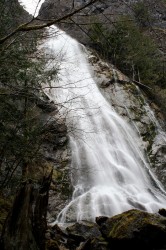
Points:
[(130, 230)]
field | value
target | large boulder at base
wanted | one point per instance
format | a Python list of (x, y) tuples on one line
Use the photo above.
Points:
[(84, 230), (82, 235), (131, 230), (134, 229)]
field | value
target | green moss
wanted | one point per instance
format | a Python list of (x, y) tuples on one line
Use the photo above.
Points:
[(52, 245), (101, 238), (57, 175), (120, 224), (124, 225), (149, 136), (99, 242), (62, 182)]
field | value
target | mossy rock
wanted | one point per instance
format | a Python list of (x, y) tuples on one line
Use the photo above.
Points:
[(135, 229), (83, 230), (52, 245)]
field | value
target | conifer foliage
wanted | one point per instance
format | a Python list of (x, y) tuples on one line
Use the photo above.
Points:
[(21, 77)]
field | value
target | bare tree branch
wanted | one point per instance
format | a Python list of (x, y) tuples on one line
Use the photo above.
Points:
[(26, 27)]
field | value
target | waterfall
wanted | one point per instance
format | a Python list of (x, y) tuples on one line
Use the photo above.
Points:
[(32, 6), (109, 171)]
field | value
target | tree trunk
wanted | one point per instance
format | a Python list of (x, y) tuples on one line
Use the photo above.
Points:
[(26, 223)]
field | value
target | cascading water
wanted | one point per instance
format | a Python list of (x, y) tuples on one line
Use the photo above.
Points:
[(110, 173)]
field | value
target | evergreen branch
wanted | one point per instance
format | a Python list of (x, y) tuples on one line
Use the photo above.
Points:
[(26, 27)]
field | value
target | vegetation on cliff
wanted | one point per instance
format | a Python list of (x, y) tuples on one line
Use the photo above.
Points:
[(133, 44), (128, 49)]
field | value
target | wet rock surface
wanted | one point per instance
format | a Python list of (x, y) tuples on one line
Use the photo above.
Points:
[(133, 229), (125, 96), (131, 103), (56, 155)]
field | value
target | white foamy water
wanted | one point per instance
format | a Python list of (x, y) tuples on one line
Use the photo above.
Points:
[(32, 6), (109, 170)]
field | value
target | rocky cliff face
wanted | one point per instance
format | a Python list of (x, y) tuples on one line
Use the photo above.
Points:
[(133, 105), (106, 12), (126, 97), (57, 155)]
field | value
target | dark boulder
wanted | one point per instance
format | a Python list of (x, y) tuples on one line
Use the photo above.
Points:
[(135, 229), (84, 230), (46, 106), (130, 230), (162, 212)]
